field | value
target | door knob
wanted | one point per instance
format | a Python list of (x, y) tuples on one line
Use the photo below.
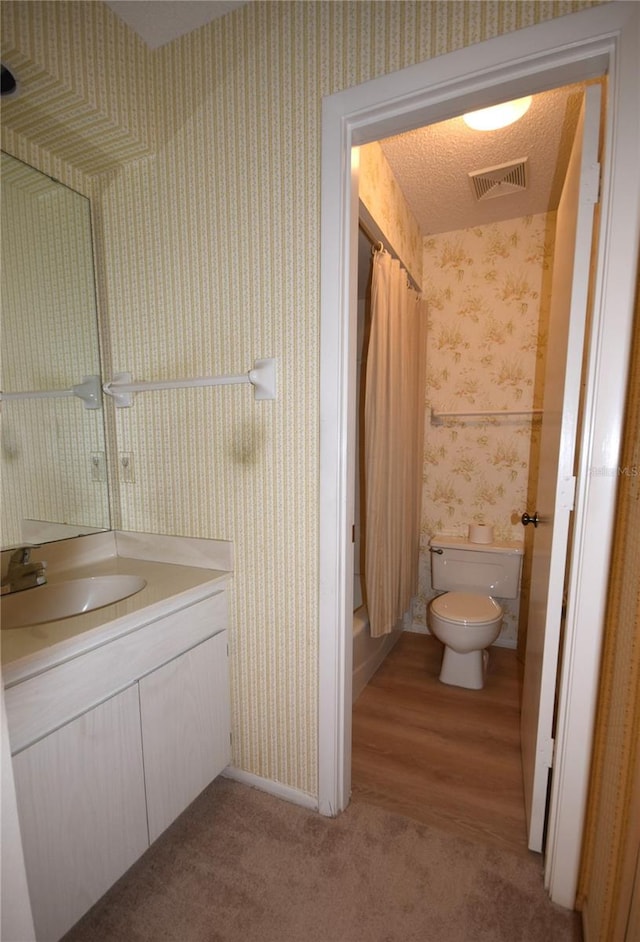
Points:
[(526, 519)]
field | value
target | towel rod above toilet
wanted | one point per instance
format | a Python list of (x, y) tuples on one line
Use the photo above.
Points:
[(262, 377), (438, 416)]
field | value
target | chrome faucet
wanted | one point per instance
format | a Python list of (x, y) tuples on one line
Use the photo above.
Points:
[(21, 572)]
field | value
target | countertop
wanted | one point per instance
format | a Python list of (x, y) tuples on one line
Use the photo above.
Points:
[(31, 650)]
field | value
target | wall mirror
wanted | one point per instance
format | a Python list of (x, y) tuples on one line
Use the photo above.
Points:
[(52, 440)]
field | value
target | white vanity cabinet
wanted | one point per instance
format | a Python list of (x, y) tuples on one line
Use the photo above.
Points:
[(184, 710), (109, 752), (81, 804)]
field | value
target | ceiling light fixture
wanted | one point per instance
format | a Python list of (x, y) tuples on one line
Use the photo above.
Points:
[(498, 116)]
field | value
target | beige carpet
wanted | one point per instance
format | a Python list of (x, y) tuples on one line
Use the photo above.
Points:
[(242, 866)]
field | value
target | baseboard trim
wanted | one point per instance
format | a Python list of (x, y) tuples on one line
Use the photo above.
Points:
[(286, 792), (510, 643)]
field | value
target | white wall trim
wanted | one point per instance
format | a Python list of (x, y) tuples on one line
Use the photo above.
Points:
[(293, 795), (564, 50)]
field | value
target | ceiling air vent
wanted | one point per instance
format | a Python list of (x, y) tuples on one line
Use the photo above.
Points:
[(499, 181)]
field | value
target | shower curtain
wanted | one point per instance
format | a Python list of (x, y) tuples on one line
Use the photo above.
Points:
[(393, 443)]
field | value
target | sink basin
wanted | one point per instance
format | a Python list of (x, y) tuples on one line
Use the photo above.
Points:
[(65, 599)]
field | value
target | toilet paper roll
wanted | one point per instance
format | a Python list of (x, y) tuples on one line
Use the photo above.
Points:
[(480, 533)]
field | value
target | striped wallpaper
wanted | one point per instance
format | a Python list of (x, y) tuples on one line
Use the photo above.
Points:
[(203, 159)]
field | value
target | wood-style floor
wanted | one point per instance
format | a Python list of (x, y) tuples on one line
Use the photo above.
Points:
[(439, 754)]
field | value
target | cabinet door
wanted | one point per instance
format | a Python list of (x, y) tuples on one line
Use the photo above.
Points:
[(184, 708), (81, 806)]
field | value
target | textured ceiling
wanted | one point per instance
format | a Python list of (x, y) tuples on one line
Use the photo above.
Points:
[(159, 21), (432, 165)]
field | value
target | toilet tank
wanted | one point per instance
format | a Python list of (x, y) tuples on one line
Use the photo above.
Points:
[(488, 568)]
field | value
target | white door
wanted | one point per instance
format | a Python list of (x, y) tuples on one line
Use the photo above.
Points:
[(556, 481)]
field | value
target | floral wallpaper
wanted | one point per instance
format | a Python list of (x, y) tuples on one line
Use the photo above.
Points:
[(383, 198), (488, 290)]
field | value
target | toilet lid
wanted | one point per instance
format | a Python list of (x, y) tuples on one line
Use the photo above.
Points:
[(466, 607)]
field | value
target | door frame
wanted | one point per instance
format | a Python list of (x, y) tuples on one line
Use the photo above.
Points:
[(566, 330), (573, 48)]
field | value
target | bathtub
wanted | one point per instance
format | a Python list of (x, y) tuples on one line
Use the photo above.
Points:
[(368, 652)]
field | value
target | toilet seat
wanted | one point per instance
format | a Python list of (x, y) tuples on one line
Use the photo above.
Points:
[(466, 608)]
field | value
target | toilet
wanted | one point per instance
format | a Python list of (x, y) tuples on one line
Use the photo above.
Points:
[(466, 618)]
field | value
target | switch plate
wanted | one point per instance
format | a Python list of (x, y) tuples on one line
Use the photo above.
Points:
[(125, 460), (98, 467)]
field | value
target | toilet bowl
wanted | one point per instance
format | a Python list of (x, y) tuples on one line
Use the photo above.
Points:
[(467, 618), (466, 623)]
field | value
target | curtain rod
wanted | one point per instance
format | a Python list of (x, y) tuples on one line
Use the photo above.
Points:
[(379, 245)]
